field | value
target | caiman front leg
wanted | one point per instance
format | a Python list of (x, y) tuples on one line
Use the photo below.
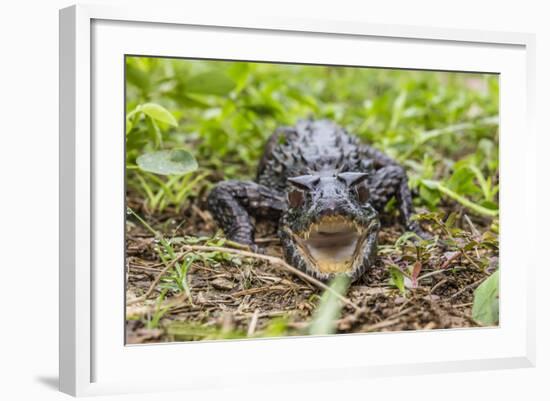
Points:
[(390, 181), (234, 203)]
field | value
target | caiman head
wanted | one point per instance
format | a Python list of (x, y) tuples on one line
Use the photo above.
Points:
[(330, 227)]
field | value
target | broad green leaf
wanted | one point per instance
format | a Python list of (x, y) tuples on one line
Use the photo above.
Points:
[(210, 83), (485, 309), (166, 162), (158, 113), (462, 181), (190, 100), (324, 320)]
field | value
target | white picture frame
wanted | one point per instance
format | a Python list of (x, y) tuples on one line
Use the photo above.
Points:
[(93, 357)]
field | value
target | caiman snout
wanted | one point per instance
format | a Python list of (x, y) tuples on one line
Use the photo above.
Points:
[(329, 210), (331, 207)]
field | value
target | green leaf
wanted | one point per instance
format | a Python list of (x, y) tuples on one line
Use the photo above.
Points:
[(487, 147), (405, 237), (210, 83), (489, 205), (130, 117), (276, 327), (485, 184), (429, 195), (462, 181), (240, 72), (158, 113), (324, 321), (486, 307), (166, 162), (430, 184), (129, 125), (460, 199), (137, 77), (450, 222), (397, 112), (397, 279)]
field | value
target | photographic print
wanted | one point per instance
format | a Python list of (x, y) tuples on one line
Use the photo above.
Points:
[(269, 200)]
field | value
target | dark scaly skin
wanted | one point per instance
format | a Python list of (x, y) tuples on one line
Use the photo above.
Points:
[(323, 150)]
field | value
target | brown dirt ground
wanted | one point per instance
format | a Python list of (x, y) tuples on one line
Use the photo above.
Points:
[(257, 299)]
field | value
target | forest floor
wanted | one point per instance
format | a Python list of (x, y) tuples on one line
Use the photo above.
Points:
[(234, 295)]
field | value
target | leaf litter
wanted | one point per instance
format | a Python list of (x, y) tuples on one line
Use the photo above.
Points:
[(410, 287)]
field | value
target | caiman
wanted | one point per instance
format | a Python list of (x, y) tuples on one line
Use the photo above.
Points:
[(325, 190)]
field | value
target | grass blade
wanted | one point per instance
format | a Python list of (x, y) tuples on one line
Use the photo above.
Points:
[(324, 320)]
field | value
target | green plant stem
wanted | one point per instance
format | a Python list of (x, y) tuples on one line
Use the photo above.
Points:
[(460, 199), (145, 224)]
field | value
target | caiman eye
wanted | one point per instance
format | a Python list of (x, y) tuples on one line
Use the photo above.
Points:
[(352, 178), (357, 182), (362, 192), (304, 182), (296, 198)]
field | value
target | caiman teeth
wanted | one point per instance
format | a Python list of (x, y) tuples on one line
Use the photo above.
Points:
[(332, 224), (333, 245)]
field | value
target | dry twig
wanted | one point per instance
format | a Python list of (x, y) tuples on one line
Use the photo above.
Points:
[(273, 260), (253, 323)]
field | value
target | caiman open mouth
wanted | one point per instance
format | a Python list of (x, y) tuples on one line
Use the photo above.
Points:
[(334, 244)]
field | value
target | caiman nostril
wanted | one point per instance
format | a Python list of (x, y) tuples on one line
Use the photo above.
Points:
[(329, 209)]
